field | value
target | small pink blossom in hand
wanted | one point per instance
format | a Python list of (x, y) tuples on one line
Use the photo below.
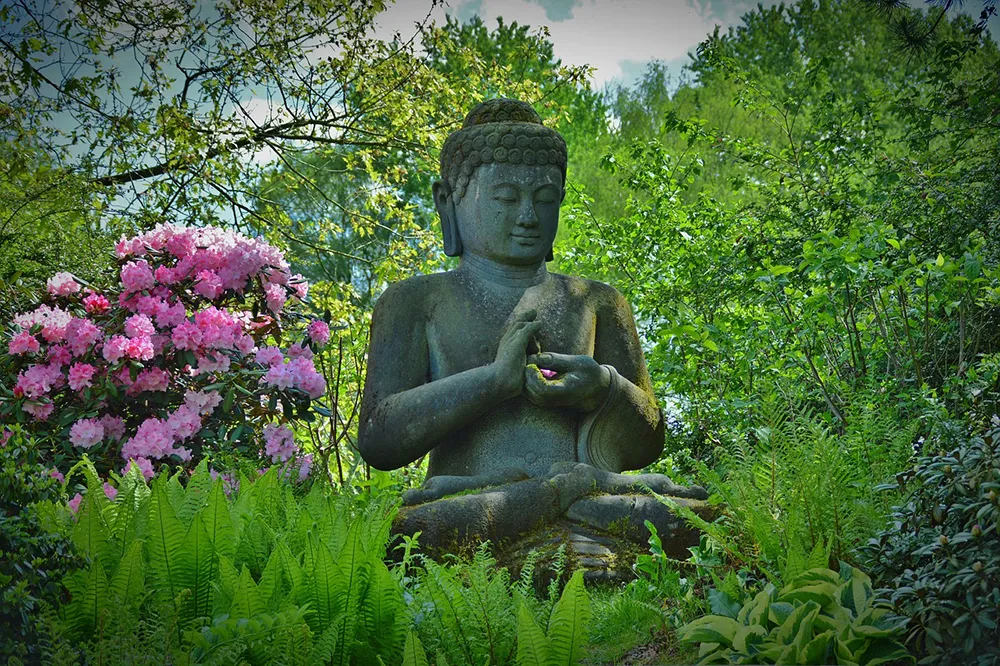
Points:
[(62, 284), (57, 475), (96, 304), (139, 326), (74, 504), (23, 343), (80, 375), (548, 374), (110, 491), (86, 433), (269, 356)]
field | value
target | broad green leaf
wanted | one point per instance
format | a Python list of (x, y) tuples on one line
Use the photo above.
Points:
[(710, 629)]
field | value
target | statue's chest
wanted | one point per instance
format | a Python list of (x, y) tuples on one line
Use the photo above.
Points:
[(463, 331)]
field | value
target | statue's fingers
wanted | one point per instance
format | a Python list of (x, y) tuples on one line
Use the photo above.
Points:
[(528, 329), (553, 361), (527, 315)]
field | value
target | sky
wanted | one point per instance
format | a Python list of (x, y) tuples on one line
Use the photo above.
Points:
[(617, 37)]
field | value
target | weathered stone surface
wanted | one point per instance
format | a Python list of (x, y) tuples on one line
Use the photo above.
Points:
[(526, 390)]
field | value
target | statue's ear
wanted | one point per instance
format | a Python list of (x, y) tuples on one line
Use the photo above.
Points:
[(445, 204), (549, 256)]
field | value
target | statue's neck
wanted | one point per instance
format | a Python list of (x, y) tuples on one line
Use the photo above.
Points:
[(504, 275)]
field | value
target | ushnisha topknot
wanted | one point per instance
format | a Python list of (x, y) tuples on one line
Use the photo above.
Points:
[(499, 130)]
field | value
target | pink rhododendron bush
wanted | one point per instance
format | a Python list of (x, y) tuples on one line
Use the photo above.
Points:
[(181, 358)]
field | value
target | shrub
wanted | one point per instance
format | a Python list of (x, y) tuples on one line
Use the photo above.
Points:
[(33, 559), (178, 359), (820, 617), (940, 559)]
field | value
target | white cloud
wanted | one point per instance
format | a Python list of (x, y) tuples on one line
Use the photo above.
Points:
[(601, 33)]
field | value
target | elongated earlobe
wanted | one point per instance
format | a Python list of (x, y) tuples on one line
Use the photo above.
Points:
[(445, 205), (549, 256)]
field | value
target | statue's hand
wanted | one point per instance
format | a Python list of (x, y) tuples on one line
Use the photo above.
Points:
[(580, 381), (512, 353)]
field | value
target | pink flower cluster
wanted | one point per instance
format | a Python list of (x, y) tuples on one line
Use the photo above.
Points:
[(158, 438), (298, 373), (319, 332), (279, 442), (127, 354), (215, 260), (62, 284)]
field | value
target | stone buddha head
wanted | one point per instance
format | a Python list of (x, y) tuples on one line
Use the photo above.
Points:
[(503, 177)]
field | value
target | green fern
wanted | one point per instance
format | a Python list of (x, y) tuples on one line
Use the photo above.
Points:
[(567, 631), (413, 651)]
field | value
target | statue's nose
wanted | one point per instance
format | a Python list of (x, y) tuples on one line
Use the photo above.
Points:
[(527, 217)]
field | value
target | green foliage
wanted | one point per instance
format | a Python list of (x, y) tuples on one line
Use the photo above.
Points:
[(565, 639), (841, 213), (34, 556), (819, 617), (940, 558), (261, 576)]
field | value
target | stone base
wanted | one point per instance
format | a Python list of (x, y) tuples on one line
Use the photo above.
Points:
[(599, 516)]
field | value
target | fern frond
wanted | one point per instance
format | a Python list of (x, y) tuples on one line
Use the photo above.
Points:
[(126, 586), (163, 545), (197, 566), (568, 623), (413, 651), (533, 648), (218, 522)]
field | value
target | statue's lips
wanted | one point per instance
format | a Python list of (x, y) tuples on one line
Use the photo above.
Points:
[(526, 236)]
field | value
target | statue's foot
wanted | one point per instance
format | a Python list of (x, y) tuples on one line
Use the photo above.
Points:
[(437, 487), (611, 483)]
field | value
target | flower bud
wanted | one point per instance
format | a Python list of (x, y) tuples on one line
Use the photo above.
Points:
[(977, 531), (977, 566), (943, 540)]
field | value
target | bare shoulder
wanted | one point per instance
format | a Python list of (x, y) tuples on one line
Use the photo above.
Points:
[(600, 294), (412, 294)]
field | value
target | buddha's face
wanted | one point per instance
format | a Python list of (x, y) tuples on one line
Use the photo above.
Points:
[(510, 212)]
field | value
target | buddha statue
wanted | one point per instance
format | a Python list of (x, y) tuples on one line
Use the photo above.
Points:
[(526, 389)]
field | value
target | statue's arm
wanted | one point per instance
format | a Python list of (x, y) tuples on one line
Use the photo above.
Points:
[(627, 431), (403, 413)]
